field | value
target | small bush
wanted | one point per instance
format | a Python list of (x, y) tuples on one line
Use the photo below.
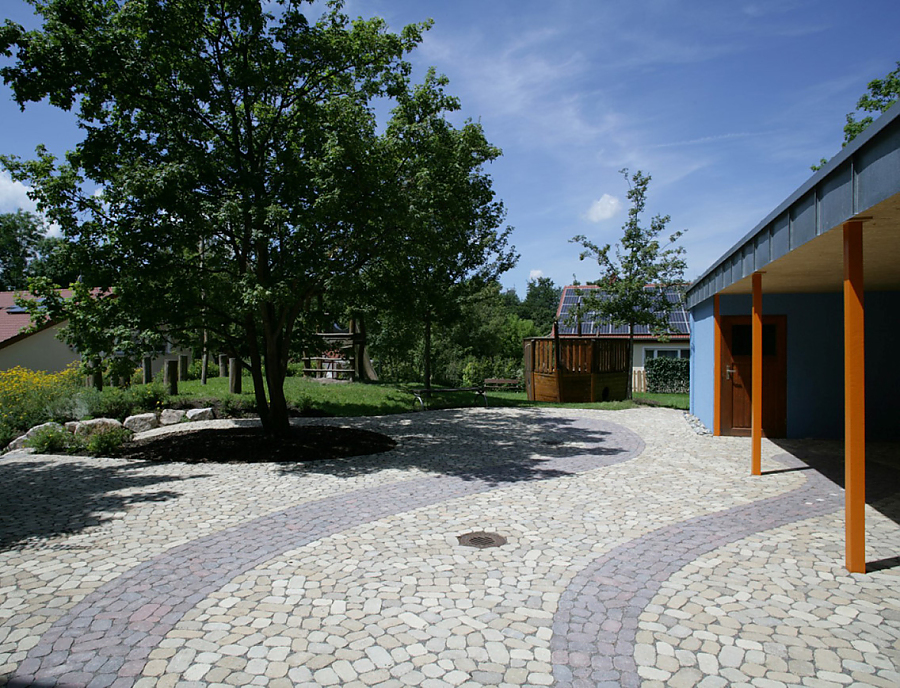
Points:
[(477, 370), (108, 442), (51, 441), (235, 406), (668, 375), (151, 397)]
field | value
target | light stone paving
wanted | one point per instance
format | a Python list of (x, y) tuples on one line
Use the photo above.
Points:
[(372, 588)]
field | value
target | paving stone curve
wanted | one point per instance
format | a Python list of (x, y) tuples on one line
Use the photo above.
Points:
[(105, 639), (593, 642)]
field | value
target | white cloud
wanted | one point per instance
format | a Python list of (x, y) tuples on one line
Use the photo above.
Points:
[(603, 209), (535, 274), (14, 195)]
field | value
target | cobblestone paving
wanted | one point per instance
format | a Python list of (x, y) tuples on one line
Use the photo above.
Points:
[(638, 553)]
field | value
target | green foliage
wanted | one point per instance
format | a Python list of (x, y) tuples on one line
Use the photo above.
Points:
[(20, 237), (448, 241), (118, 403), (477, 370), (29, 398), (641, 259), (51, 440), (151, 397), (241, 169), (108, 442), (881, 95), (668, 375), (59, 441), (540, 304)]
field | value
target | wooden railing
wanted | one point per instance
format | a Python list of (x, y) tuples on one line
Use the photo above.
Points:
[(582, 355)]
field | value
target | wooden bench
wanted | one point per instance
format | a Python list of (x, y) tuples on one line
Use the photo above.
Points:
[(499, 384), (422, 394)]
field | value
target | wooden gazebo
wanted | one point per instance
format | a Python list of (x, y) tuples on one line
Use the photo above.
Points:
[(576, 369)]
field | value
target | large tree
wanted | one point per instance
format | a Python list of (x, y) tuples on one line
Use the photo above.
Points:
[(20, 236), (448, 240), (636, 276), (541, 303), (230, 169)]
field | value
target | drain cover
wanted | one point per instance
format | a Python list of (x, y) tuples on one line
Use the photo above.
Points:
[(481, 540)]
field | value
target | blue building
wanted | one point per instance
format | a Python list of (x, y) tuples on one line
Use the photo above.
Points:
[(793, 330)]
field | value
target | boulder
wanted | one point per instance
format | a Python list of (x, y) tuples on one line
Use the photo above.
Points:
[(89, 427), (141, 422), (201, 414), (171, 417), (19, 442)]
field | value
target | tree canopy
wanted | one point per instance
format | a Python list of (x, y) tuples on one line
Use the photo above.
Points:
[(881, 95), (21, 234), (231, 170), (640, 260)]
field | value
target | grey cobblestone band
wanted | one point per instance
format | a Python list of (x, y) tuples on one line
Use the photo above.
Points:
[(105, 640), (594, 629)]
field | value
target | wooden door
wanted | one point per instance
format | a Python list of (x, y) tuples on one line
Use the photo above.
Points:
[(737, 369)]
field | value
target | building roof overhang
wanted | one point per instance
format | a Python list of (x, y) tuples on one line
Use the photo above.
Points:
[(799, 245)]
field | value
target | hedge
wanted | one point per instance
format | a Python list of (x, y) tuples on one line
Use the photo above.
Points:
[(668, 375)]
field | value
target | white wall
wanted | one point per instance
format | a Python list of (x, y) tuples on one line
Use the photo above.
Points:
[(40, 351)]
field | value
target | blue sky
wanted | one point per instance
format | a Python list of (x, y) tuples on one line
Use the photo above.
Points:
[(724, 104)]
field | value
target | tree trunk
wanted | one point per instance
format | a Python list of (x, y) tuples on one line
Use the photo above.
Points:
[(427, 352)]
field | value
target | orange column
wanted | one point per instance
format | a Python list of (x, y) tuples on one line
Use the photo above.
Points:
[(717, 367), (854, 400), (756, 390)]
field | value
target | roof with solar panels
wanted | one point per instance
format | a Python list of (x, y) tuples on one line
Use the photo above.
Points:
[(593, 326)]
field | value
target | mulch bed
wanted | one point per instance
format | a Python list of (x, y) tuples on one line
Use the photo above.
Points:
[(252, 445)]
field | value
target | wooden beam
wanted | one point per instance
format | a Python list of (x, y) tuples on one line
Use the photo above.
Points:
[(717, 367), (854, 400), (756, 389)]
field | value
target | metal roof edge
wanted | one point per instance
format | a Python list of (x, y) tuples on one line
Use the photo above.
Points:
[(846, 152)]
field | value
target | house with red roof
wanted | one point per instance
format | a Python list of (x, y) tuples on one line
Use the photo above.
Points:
[(37, 350)]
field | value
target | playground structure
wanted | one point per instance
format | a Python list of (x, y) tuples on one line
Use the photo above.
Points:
[(345, 357), (576, 369)]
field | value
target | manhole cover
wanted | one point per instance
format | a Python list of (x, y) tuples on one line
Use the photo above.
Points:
[(481, 540)]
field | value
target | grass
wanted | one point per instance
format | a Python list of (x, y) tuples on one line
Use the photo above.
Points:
[(676, 401), (368, 399)]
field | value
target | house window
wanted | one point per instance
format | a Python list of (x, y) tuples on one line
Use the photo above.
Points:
[(666, 353)]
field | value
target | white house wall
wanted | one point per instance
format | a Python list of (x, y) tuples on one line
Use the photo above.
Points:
[(40, 351)]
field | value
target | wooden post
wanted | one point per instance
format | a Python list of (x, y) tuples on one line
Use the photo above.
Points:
[(148, 370), (234, 380), (182, 367), (171, 376), (854, 401), (717, 367), (756, 393), (223, 365)]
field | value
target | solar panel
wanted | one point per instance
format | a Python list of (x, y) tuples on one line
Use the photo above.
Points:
[(593, 325)]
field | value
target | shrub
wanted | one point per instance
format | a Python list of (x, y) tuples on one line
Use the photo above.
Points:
[(51, 441), (477, 370), (150, 397), (110, 402), (668, 375), (28, 397), (108, 442)]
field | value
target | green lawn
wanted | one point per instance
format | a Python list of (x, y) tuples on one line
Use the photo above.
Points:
[(364, 399), (676, 401)]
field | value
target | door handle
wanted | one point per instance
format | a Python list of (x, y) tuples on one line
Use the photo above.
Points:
[(729, 371)]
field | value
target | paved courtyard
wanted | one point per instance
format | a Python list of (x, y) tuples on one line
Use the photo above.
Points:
[(638, 553)]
